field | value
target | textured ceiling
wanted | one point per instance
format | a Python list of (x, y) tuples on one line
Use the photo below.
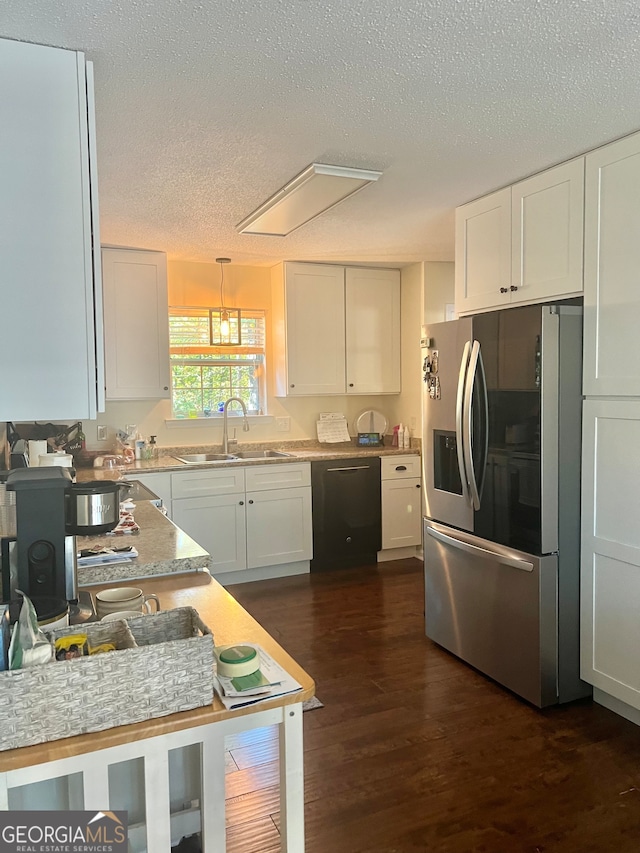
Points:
[(204, 109)]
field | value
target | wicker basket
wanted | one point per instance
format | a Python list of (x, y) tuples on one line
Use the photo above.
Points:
[(163, 664)]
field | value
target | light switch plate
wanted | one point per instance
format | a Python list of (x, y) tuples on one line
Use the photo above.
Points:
[(283, 424)]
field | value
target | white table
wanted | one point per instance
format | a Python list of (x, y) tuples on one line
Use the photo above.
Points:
[(90, 756)]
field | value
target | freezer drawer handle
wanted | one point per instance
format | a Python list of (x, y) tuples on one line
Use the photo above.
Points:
[(514, 562)]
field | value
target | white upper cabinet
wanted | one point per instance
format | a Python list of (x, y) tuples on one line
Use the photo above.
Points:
[(372, 300), (522, 244), (483, 252), (309, 341), (136, 324), (612, 262), (335, 330), (547, 234), (51, 286)]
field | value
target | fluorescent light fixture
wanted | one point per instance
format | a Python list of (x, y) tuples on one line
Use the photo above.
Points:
[(316, 189)]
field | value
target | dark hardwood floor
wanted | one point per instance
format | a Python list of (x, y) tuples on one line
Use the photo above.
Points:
[(416, 751)]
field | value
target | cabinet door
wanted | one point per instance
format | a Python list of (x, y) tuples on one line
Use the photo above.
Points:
[(610, 567), (372, 299), (315, 329), (136, 319), (217, 524), (612, 261), (547, 212), (401, 513), (48, 339), (483, 253), (159, 483), (278, 527)]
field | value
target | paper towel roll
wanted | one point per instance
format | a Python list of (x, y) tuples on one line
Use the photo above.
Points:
[(36, 450)]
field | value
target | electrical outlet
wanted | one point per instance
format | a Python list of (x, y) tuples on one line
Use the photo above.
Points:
[(283, 424), (102, 432), (413, 424)]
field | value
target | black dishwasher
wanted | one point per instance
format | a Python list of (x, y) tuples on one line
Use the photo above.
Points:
[(346, 512)]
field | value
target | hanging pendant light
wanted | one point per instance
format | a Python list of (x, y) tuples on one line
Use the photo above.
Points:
[(224, 323)]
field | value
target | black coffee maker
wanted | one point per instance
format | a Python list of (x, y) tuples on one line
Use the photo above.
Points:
[(41, 560)]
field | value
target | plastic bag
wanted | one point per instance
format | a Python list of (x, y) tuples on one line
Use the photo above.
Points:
[(29, 646)]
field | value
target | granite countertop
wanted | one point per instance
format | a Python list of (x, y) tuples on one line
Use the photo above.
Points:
[(162, 547), (301, 451)]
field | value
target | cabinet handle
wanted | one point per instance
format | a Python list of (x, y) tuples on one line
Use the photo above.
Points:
[(401, 467), (351, 385), (292, 386), (417, 485), (504, 290), (241, 503), (513, 287), (166, 387), (250, 502)]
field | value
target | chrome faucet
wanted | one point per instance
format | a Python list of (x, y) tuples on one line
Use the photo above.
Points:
[(225, 427)]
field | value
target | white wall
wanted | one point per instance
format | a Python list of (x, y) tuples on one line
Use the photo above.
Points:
[(244, 286), (425, 289)]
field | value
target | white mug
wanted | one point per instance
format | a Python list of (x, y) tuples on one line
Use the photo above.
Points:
[(121, 598), (122, 614)]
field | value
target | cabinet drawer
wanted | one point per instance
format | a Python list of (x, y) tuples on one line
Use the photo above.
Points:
[(190, 484), (399, 467), (287, 475)]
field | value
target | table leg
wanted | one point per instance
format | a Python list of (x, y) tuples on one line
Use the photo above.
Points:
[(292, 780)]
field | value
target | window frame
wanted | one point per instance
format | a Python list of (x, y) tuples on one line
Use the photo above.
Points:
[(201, 355)]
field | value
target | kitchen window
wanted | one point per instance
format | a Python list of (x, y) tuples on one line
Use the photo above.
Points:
[(203, 375)]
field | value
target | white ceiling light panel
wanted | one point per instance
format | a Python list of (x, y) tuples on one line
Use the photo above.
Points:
[(315, 190)]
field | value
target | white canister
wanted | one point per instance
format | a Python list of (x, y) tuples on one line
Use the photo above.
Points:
[(65, 460)]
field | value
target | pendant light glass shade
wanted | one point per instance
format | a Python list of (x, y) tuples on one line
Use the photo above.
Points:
[(225, 327)]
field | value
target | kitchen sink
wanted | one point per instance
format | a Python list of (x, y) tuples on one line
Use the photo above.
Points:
[(194, 458), (260, 454)]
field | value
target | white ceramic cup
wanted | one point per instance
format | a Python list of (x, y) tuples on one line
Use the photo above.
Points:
[(120, 598), (122, 614)]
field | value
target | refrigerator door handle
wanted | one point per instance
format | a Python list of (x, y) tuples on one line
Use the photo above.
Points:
[(467, 424), (485, 426), (462, 378), (514, 562)]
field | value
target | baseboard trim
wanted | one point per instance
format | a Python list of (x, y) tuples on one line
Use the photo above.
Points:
[(397, 553), (616, 705), (284, 570)]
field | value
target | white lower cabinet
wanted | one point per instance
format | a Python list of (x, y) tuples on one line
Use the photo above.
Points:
[(401, 502), (247, 518), (610, 569)]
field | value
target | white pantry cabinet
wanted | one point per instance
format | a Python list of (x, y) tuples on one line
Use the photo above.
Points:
[(610, 569), (51, 341), (336, 330), (136, 323), (247, 517), (612, 261), (401, 501), (522, 244)]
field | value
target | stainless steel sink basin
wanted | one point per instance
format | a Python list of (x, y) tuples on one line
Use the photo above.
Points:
[(195, 458), (260, 454)]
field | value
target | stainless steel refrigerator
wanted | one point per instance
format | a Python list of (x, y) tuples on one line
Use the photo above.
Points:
[(501, 470)]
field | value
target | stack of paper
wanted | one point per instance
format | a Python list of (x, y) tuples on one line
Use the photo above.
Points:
[(270, 680), (332, 428), (106, 555)]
